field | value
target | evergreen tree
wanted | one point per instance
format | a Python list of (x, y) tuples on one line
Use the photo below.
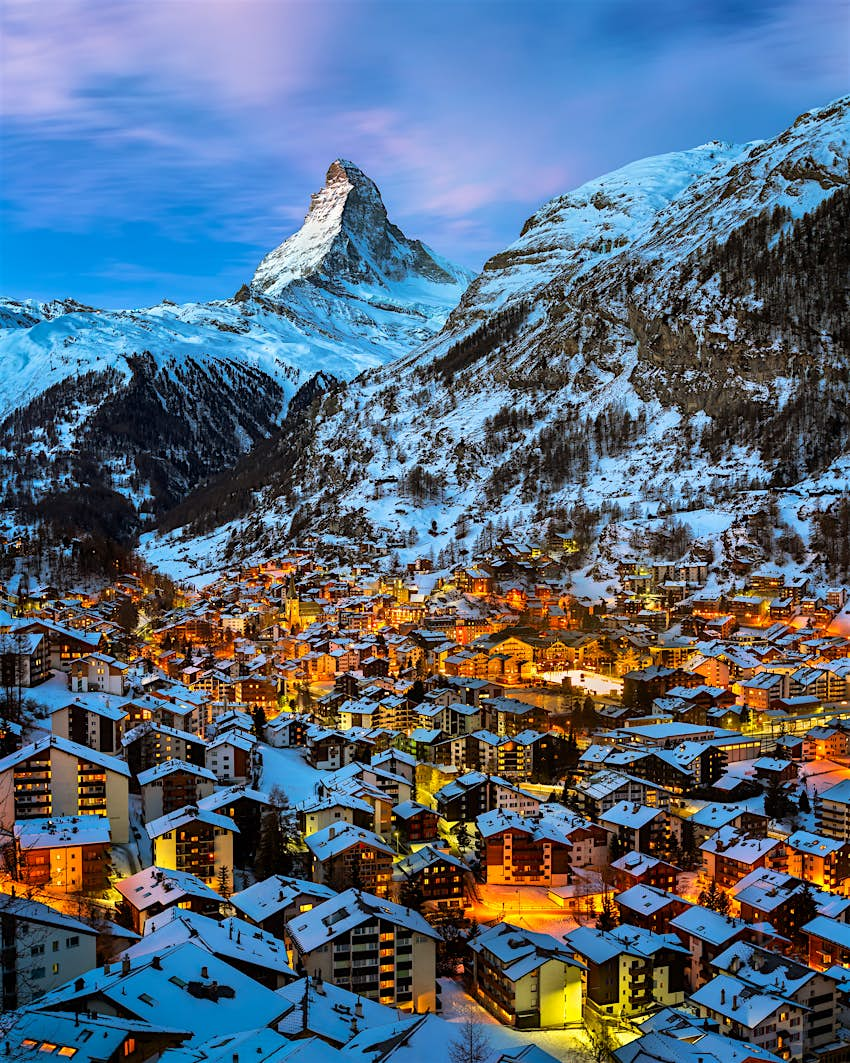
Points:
[(804, 803), (224, 881), (805, 909), (776, 802), (715, 898), (571, 751), (688, 852), (260, 721), (411, 895), (462, 835), (416, 694), (607, 918)]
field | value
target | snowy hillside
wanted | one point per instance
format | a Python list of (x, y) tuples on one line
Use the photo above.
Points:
[(346, 293), (671, 339)]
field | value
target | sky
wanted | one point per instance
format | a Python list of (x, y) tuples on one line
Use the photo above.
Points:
[(153, 149)]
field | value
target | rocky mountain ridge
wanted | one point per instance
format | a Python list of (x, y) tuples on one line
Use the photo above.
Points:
[(139, 406), (669, 341)]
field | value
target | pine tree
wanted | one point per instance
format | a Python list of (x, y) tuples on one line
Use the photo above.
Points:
[(411, 895), (260, 720), (804, 804), (224, 881), (805, 909), (607, 918), (715, 898)]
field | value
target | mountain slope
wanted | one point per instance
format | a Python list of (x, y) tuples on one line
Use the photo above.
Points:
[(671, 338), (152, 401)]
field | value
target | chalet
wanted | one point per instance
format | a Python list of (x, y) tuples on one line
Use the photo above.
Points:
[(70, 853), (91, 724), (172, 784), (520, 851), (705, 934), (344, 856), (829, 942), (602, 790), (194, 840), (335, 807), (99, 671), (730, 854), (527, 980), (272, 903), (331, 938), (649, 908), (414, 823), (65, 644), (710, 818), (771, 1001), (24, 659), (834, 814), (639, 869), (824, 862), (641, 827), (473, 793), (157, 889), (151, 743), (772, 896), (438, 875), (629, 970), (230, 757)]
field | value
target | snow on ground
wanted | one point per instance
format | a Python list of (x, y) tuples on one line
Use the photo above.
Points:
[(819, 775), (593, 682), (288, 769), (55, 693)]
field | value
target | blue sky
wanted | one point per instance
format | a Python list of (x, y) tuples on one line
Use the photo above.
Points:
[(158, 149)]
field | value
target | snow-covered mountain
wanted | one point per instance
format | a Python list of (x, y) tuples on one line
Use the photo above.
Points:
[(146, 403), (671, 338)]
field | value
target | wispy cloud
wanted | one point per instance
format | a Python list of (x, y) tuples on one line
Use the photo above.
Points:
[(186, 135)]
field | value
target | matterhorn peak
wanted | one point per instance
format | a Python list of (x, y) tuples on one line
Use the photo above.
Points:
[(347, 239)]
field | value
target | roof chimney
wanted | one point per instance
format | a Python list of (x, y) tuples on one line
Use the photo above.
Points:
[(205, 972), (125, 965)]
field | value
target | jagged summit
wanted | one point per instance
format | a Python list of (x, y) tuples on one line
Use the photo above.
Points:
[(347, 238)]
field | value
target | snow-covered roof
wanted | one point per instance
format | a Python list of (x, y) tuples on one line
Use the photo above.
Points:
[(264, 899), (734, 844), (93, 756), (54, 832), (646, 899), (185, 987), (338, 837), (630, 814), (232, 940), (520, 951), (188, 814), (350, 909), (168, 767), (163, 886), (707, 925), (36, 912)]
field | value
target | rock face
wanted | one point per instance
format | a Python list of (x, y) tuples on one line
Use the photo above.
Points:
[(347, 292), (669, 338), (347, 238)]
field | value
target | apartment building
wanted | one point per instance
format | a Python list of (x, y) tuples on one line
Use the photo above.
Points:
[(370, 946), (56, 777)]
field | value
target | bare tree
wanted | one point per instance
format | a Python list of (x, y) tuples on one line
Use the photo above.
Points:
[(472, 1045)]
